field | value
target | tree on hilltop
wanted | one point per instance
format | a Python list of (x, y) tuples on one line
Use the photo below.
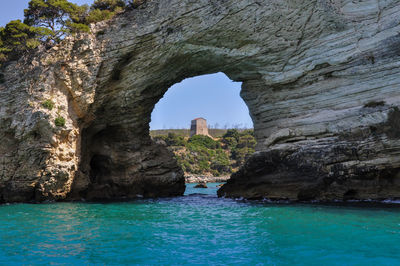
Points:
[(55, 17), (49, 21), (16, 38)]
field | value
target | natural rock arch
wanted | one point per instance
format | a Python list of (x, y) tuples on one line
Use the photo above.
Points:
[(320, 78)]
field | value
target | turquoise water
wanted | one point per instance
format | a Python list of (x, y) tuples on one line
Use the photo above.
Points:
[(198, 230)]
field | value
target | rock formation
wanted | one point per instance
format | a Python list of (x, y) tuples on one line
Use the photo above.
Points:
[(201, 185), (320, 77)]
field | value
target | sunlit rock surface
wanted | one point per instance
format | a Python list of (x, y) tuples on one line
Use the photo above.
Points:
[(321, 79)]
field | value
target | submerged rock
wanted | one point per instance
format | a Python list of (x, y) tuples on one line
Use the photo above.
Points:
[(201, 185), (321, 80)]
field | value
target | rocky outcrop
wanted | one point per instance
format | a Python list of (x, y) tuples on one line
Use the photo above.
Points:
[(201, 185), (320, 77)]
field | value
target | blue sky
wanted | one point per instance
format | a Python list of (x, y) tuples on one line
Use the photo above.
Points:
[(214, 97)]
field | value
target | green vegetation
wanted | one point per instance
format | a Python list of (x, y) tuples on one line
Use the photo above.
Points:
[(56, 18), (17, 38), (59, 121), (243, 145), (206, 156), (103, 10), (173, 140), (203, 141), (109, 5), (48, 104), (47, 22)]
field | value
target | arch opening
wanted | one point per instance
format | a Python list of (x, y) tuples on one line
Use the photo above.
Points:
[(207, 126), (213, 96)]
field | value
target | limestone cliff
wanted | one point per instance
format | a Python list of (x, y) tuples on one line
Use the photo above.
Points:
[(320, 77)]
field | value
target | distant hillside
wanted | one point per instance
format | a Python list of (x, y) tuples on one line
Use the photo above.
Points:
[(202, 155), (214, 132)]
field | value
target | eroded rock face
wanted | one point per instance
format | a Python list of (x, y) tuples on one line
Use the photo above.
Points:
[(320, 77)]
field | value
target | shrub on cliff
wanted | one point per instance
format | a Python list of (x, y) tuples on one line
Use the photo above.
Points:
[(48, 104), (103, 10), (59, 121)]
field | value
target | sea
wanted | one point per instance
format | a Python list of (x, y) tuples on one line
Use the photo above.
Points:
[(199, 229)]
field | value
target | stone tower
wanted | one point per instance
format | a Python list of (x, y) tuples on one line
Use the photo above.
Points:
[(198, 127)]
